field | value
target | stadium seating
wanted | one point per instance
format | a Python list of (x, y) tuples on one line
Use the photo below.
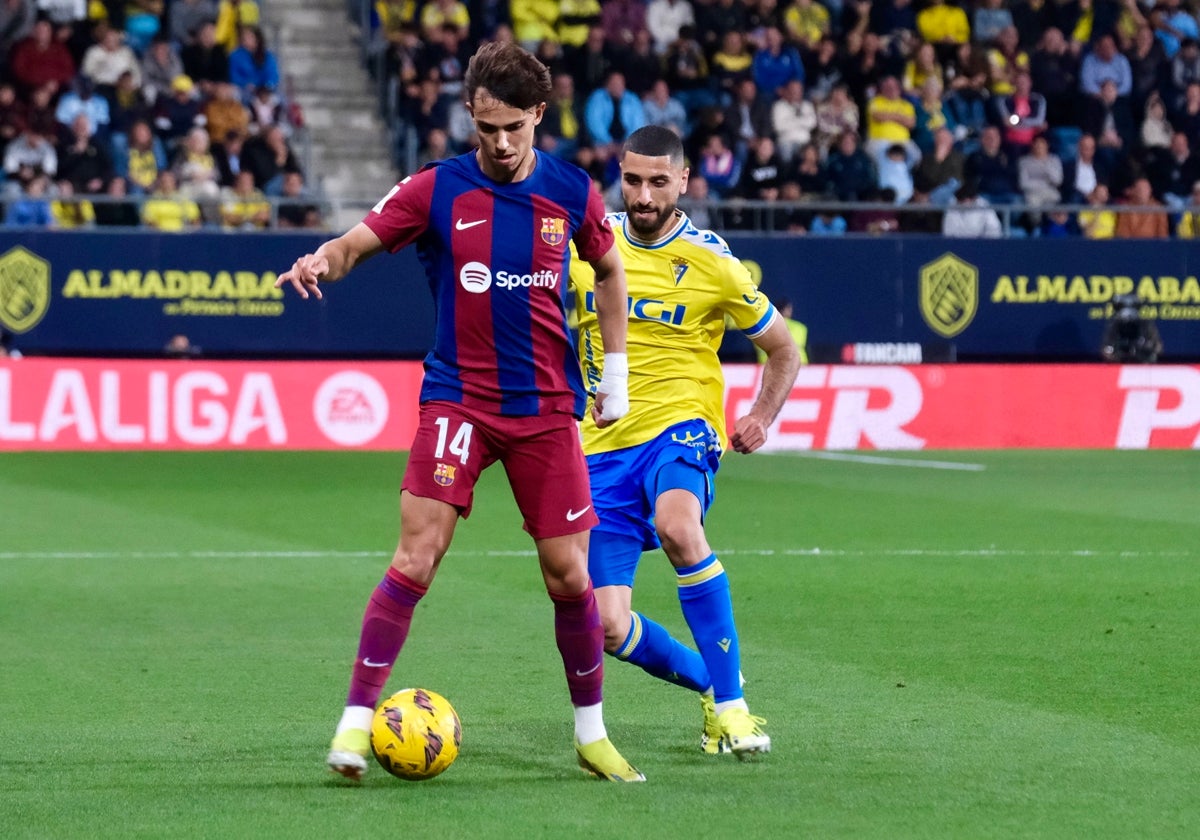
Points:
[(385, 95)]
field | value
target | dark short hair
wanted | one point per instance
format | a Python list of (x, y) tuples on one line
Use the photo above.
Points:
[(509, 73), (655, 141)]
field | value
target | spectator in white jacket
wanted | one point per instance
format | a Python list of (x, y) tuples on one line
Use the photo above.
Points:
[(971, 216), (793, 118), (1040, 174), (105, 61), (664, 18)]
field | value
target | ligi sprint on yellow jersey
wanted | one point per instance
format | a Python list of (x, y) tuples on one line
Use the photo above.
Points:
[(680, 290)]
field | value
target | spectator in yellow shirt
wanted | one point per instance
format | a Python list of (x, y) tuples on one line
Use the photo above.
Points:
[(798, 331), (1100, 223), (231, 16), (1006, 60), (890, 120), (438, 13), (393, 15), (69, 211), (534, 21), (574, 19), (920, 68), (167, 209), (243, 206), (945, 26), (806, 23), (1189, 221)]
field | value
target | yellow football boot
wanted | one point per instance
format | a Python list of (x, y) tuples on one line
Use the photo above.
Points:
[(743, 732), (601, 759), (348, 753)]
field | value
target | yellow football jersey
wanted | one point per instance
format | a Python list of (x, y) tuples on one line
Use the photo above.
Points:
[(681, 288)]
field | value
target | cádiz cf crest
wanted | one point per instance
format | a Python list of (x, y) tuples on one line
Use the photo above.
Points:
[(24, 289), (554, 230), (949, 294), (679, 267), (444, 475)]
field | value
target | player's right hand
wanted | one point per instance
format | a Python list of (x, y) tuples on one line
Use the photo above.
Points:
[(304, 274)]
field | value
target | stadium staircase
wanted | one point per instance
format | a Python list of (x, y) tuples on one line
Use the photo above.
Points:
[(320, 55)]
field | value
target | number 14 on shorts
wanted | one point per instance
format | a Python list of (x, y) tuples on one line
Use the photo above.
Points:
[(459, 444)]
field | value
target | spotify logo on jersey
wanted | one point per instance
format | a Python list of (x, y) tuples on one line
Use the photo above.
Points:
[(475, 277)]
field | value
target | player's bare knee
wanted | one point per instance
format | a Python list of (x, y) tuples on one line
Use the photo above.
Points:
[(565, 580), (418, 563), (612, 642), (683, 542), (616, 628)]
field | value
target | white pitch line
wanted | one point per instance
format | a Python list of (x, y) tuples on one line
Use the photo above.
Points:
[(192, 555), (951, 552), (884, 461), (815, 551)]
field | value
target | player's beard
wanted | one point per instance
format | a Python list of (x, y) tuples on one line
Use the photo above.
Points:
[(653, 228)]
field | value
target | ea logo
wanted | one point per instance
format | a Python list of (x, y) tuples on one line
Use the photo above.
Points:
[(351, 408), (475, 277)]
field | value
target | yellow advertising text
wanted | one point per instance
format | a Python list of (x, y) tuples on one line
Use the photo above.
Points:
[(1094, 289), (172, 284)]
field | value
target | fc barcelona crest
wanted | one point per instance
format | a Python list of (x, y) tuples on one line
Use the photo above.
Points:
[(444, 475), (949, 294), (554, 230), (24, 289)]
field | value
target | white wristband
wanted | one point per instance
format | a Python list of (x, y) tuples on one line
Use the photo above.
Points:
[(616, 364), (614, 386)]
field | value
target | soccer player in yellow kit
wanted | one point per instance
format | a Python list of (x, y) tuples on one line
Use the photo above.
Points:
[(652, 474)]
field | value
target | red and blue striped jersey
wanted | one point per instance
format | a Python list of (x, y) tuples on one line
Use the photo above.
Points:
[(497, 258)]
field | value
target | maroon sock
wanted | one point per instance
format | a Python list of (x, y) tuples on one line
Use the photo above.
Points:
[(580, 640), (385, 627)]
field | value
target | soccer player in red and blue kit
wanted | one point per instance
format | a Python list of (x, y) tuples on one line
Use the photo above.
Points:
[(502, 382)]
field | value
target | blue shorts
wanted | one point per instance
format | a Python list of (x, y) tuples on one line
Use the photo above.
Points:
[(626, 483)]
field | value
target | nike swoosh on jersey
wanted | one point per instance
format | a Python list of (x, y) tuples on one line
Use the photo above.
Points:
[(367, 661), (572, 515), (461, 225), (579, 673)]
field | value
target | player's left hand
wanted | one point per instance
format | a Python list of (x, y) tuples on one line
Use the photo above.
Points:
[(749, 433), (612, 394)]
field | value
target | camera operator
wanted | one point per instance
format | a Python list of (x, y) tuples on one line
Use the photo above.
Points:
[(6, 348), (1128, 337)]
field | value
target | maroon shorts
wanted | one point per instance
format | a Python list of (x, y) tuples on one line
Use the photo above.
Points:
[(541, 455)]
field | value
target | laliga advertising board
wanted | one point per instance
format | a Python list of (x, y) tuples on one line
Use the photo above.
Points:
[(76, 404), (88, 404)]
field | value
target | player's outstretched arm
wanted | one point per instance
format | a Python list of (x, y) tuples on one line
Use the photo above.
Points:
[(612, 301), (332, 261), (778, 377), (612, 311)]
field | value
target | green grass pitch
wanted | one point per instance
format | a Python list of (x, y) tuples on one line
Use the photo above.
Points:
[(946, 645)]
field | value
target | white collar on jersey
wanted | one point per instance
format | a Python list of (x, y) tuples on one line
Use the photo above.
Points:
[(672, 231)]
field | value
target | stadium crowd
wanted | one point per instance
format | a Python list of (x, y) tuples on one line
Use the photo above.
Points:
[(932, 113), (940, 110), (145, 113)]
